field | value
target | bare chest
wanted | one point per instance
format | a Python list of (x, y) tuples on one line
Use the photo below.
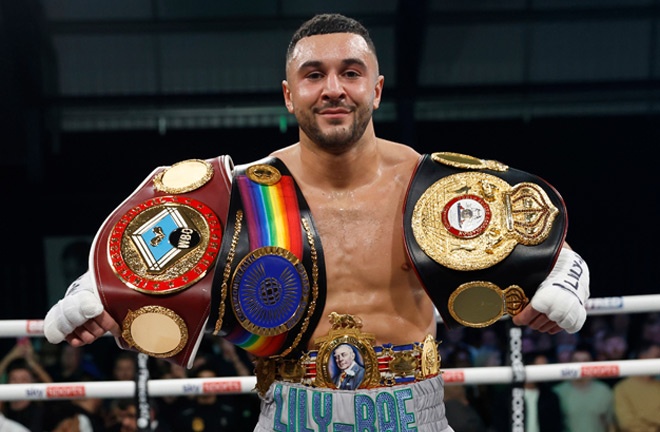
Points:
[(362, 236)]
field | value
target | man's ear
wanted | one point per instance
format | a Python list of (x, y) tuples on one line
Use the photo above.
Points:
[(378, 91), (287, 96)]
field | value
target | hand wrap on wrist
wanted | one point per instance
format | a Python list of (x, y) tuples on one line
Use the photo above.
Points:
[(562, 295), (80, 304)]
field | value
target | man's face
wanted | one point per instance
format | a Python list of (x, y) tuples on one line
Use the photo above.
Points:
[(124, 369), (20, 376), (332, 88), (343, 356), (128, 419)]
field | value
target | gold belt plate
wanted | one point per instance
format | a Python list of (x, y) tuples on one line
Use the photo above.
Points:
[(473, 220), (164, 245), (155, 330)]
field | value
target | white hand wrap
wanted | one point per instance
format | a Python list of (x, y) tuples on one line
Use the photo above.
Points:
[(562, 295), (80, 304)]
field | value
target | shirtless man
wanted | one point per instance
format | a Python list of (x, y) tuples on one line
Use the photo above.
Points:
[(355, 185)]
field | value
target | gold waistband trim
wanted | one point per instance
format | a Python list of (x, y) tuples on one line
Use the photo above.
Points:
[(347, 349)]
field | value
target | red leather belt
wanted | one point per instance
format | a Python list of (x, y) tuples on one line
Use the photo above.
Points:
[(154, 257)]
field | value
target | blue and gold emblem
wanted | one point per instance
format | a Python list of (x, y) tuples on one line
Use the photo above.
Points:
[(165, 244), (270, 291)]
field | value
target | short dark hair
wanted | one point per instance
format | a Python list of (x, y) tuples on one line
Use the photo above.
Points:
[(327, 24)]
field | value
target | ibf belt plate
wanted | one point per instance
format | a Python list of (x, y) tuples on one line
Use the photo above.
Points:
[(473, 220), (165, 244)]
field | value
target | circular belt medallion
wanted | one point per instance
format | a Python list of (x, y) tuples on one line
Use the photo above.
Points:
[(155, 330), (184, 176), (270, 291), (480, 304), (466, 216), (165, 244)]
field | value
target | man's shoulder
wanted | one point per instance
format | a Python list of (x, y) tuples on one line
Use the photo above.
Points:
[(397, 149)]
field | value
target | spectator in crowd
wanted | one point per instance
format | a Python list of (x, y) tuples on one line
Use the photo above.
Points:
[(637, 398), (542, 412), (25, 351), (169, 407), (621, 324), (542, 407), (587, 403), (21, 366), (565, 344), (66, 416), (74, 364), (651, 328), (211, 412), (126, 419), (462, 416), (8, 425), (125, 366), (614, 347), (464, 400), (455, 340)]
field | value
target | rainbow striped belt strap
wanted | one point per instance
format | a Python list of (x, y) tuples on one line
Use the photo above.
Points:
[(271, 291)]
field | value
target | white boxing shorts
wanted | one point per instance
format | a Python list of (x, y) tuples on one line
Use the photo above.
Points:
[(417, 407)]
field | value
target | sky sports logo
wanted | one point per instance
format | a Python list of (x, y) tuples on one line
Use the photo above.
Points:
[(65, 391), (221, 387), (600, 371), (453, 376)]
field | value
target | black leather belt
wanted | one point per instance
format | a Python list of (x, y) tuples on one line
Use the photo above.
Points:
[(482, 236)]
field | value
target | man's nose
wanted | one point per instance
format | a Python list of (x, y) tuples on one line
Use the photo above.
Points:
[(333, 87)]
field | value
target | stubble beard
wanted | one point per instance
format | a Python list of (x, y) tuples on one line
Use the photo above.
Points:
[(340, 138)]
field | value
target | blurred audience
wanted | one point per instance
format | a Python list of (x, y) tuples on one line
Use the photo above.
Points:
[(9, 425), (125, 366), (125, 413), (637, 398), (586, 403), (169, 407), (542, 406), (211, 412), (461, 415), (21, 366)]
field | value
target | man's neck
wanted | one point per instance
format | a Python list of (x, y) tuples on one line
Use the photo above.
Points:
[(349, 170)]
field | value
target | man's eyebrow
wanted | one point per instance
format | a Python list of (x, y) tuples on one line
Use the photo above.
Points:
[(313, 64), (354, 61)]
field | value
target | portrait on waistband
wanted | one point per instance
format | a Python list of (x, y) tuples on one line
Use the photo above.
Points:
[(347, 367)]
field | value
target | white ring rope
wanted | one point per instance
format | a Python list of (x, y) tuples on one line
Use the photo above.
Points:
[(238, 385), (595, 306)]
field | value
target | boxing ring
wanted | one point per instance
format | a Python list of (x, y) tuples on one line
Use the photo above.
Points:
[(515, 374)]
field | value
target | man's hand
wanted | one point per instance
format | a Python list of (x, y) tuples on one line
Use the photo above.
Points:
[(79, 317), (559, 301)]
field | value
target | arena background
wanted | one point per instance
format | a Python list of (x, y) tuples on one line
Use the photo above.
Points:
[(96, 94)]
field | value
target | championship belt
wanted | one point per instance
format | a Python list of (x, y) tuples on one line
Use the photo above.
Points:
[(482, 236), (154, 255), (381, 366), (269, 291)]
